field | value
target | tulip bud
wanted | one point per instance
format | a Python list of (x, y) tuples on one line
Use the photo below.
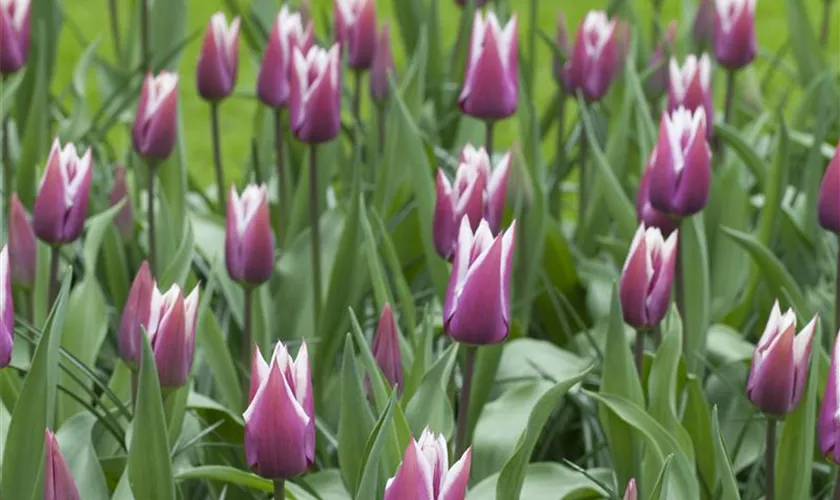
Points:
[(383, 65), (630, 493), (734, 33), (478, 3), (690, 86), (425, 472), (280, 418), (23, 249), (645, 213), (647, 277), (562, 42), (125, 217), (62, 203), (354, 25), (7, 310), (135, 316), (682, 172), (477, 306), (829, 200), (828, 428), (595, 58), (249, 239), (172, 322), (14, 35), (59, 483), (704, 24), (491, 84), (386, 348), (780, 364), (288, 33), (315, 98), (657, 82), (156, 123), (219, 58)]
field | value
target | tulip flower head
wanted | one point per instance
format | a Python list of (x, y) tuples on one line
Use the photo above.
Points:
[(734, 33), (478, 3), (355, 28), (690, 86), (704, 23), (125, 217), (647, 277), (59, 483), (780, 364), (491, 84), (156, 123), (7, 310), (425, 472), (828, 428), (477, 306), (315, 98), (280, 418), (386, 348), (657, 83), (62, 203), (219, 58), (829, 199), (631, 493), (595, 58), (14, 35), (249, 239), (645, 213), (289, 32), (383, 66), (135, 316), (23, 248)]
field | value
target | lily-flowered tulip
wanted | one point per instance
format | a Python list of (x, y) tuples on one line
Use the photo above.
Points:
[(477, 194), (562, 42), (425, 473), (315, 98), (354, 24), (23, 248), (386, 347), (125, 218), (595, 58), (383, 66), (289, 32), (219, 58), (647, 277), (135, 316), (780, 363), (704, 24), (828, 429), (62, 203), (280, 418), (477, 306), (491, 84), (156, 123), (249, 239), (734, 33), (631, 493), (645, 213), (14, 35), (829, 200), (658, 80), (681, 175), (7, 310), (690, 86), (59, 483)]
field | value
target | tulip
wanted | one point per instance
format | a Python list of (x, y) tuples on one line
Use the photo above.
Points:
[(645, 213), (647, 278), (691, 87), (249, 240), (657, 82), (630, 493), (315, 98), (425, 473), (828, 428), (62, 203), (7, 310), (476, 194), (477, 306), (829, 200), (682, 172), (156, 123), (135, 316), (595, 57), (289, 32), (219, 58), (734, 33), (171, 330), (383, 65), (58, 480), (704, 23), (354, 25), (780, 364), (562, 42), (280, 418), (23, 249), (125, 217), (14, 35), (386, 348), (491, 85), (477, 3)]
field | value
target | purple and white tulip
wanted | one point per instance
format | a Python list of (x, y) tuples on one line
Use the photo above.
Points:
[(156, 124), (491, 84), (354, 24), (734, 33), (59, 483), (829, 198), (315, 97), (14, 35), (690, 87), (249, 239), (425, 473), (647, 277), (61, 206), (288, 33), (23, 247), (218, 61), (595, 58)]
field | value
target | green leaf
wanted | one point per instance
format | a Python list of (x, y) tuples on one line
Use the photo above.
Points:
[(550, 480), (699, 427), (410, 18), (487, 362), (697, 302), (729, 485), (430, 407), (211, 341), (370, 486), (660, 487), (356, 420), (77, 447), (227, 475), (803, 40), (179, 264), (168, 26), (408, 311), (377, 275), (36, 131), (737, 143)]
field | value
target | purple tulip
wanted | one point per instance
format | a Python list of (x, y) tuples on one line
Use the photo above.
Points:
[(704, 24), (23, 248), (14, 35), (386, 348), (478, 3), (734, 33), (59, 483), (477, 306), (425, 473), (491, 84), (829, 204), (476, 194), (681, 174), (289, 32), (219, 58), (562, 42), (125, 217), (354, 25), (658, 80), (630, 493), (780, 363), (7, 310), (135, 316), (249, 239), (156, 123), (280, 418), (62, 203), (383, 66), (596, 56), (315, 98), (691, 87), (828, 428), (645, 213), (647, 277)]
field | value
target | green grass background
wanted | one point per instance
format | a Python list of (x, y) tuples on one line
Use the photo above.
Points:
[(88, 20)]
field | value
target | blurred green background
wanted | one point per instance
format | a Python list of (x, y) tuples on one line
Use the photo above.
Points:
[(88, 20)]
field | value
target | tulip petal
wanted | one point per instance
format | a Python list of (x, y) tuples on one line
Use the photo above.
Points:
[(455, 485), (801, 359), (413, 480), (59, 483), (49, 209), (496, 192), (828, 428), (490, 91), (771, 383), (829, 198), (443, 224), (23, 247), (135, 315), (633, 287), (7, 315), (169, 345)]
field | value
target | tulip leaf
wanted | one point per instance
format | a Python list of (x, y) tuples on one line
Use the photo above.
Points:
[(694, 257), (371, 484), (803, 40), (739, 145), (77, 447), (728, 483), (550, 480), (410, 19), (36, 116), (697, 423), (487, 362), (356, 420), (211, 341), (660, 487), (179, 265), (408, 311), (227, 475), (430, 407), (377, 275)]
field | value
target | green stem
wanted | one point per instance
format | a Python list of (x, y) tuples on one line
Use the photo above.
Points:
[(583, 185), (357, 103), (679, 284), (488, 141), (55, 257), (217, 154), (464, 399), (115, 28), (837, 487), (561, 151), (145, 47), (135, 384), (826, 22), (281, 173), (381, 118), (150, 212), (246, 336), (730, 96), (639, 351), (279, 489), (314, 218), (770, 459)]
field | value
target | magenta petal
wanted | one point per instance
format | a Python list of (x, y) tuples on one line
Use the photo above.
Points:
[(489, 91), (443, 224), (215, 72), (413, 480), (659, 295), (169, 344), (59, 483), (645, 212), (125, 218), (383, 65), (135, 316), (455, 485), (23, 248), (631, 493), (693, 189), (829, 198), (74, 219), (49, 209), (771, 385), (496, 192), (163, 128), (13, 54), (737, 47), (386, 347), (633, 287), (7, 310), (258, 247), (663, 178), (827, 427), (362, 40)]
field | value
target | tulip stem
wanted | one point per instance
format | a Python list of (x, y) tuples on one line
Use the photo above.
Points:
[(115, 28), (246, 334), (144, 35), (561, 150), (488, 140), (281, 172), (55, 256), (150, 213), (464, 399), (582, 184), (639, 351), (730, 96), (217, 155), (357, 104), (826, 25), (837, 486), (279, 489), (770, 459), (381, 117), (314, 217)]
